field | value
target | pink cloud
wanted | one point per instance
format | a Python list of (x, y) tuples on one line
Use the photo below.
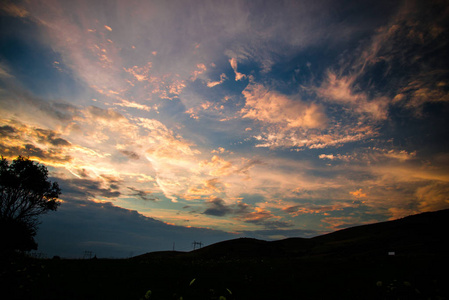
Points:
[(200, 69), (238, 76), (223, 77), (140, 73), (274, 108), (340, 89)]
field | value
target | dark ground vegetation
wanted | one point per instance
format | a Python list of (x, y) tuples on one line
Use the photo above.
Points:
[(386, 277), (348, 264)]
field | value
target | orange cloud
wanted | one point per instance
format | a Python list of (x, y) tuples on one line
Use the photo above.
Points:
[(40, 144), (259, 214), (208, 187), (220, 150), (358, 194), (297, 210), (218, 166), (274, 108)]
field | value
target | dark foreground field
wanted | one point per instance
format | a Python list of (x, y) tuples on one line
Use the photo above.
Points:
[(171, 278), (347, 264)]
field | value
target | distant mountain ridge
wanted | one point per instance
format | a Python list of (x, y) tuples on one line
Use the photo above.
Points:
[(421, 234)]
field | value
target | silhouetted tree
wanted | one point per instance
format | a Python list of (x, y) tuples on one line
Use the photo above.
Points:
[(26, 193)]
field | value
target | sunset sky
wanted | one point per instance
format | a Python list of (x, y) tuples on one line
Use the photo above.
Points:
[(178, 121)]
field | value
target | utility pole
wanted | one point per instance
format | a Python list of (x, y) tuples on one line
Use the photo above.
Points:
[(87, 255), (195, 243)]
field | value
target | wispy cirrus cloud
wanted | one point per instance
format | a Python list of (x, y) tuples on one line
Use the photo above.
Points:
[(341, 90), (14, 10), (408, 41)]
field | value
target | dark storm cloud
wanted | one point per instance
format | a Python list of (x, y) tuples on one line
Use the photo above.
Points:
[(49, 136), (29, 150), (83, 189), (244, 212), (6, 130), (141, 194), (291, 209), (22, 140), (130, 154), (217, 207), (111, 179)]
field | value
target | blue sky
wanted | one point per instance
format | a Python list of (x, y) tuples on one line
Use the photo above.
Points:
[(173, 121)]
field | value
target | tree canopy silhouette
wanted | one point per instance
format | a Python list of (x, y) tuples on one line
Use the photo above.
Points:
[(26, 193)]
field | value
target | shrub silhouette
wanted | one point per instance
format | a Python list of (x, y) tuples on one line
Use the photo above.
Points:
[(25, 194)]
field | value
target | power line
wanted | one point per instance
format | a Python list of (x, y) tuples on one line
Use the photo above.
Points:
[(87, 255), (195, 243)]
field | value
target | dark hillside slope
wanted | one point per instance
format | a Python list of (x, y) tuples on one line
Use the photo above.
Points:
[(236, 248), (160, 255), (423, 234)]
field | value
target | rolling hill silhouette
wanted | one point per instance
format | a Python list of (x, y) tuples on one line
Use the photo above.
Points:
[(422, 234), (349, 264)]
